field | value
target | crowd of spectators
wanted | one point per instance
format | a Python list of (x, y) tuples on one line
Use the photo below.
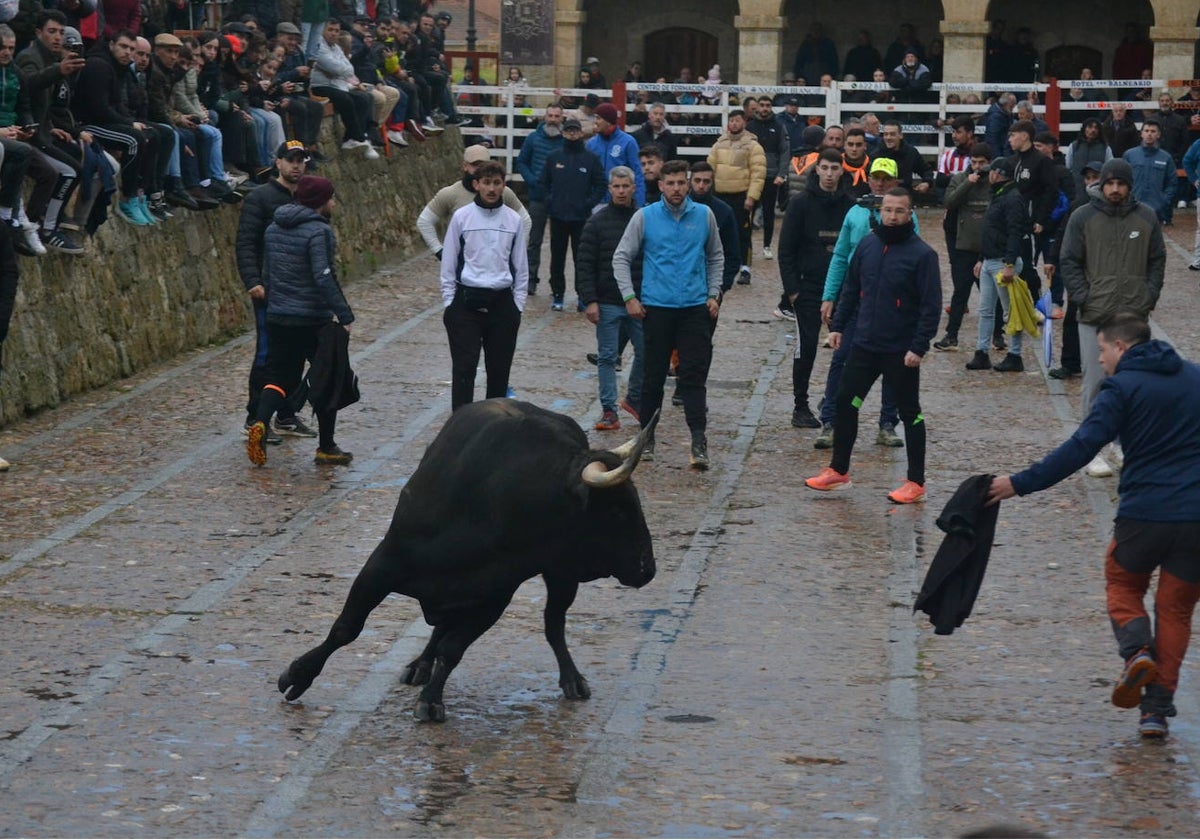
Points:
[(105, 111)]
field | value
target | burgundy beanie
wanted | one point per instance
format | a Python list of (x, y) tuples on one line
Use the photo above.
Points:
[(607, 112), (314, 191)]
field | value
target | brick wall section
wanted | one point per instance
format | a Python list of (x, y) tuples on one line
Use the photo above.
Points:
[(143, 295)]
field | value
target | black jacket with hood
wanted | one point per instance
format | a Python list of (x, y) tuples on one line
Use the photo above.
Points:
[(807, 236)]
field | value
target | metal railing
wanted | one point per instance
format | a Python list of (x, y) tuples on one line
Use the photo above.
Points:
[(700, 111)]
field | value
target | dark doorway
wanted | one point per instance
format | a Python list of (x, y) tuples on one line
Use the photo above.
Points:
[(1066, 61), (668, 50)]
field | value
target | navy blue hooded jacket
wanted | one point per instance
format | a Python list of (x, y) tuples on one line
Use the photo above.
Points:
[(302, 286), (896, 291), (572, 182), (1152, 402)]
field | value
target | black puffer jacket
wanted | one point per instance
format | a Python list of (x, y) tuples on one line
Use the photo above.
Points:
[(806, 239), (298, 271), (1005, 225), (594, 281), (258, 211)]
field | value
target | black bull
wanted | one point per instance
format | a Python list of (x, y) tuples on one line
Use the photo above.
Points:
[(506, 491)]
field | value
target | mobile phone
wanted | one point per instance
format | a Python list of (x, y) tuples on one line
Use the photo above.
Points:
[(312, 62), (32, 127), (77, 49)]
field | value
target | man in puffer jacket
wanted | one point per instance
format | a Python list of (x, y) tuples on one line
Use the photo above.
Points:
[(740, 167), (601, 297), (303, 297)]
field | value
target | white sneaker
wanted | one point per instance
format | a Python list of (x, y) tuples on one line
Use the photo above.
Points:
[(23, 220), (1099, 468), (235, 180), (4, 465), (768, 254), (1116, 455), (397, 138), (371, 154), (30, 239), (1181, 205), (353, 144)]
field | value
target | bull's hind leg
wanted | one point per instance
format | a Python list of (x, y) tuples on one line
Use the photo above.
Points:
[(373, 584), (560, 596), (417, 672), (457, 635)]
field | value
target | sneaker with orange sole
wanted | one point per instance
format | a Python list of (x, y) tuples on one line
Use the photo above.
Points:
[(908, 493), (1140, 671), (255, 433), (828, 479), (608, 422)]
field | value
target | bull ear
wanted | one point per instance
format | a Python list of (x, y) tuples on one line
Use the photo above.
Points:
[(597, 474)]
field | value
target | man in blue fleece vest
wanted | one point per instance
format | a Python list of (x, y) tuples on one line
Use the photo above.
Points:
[(1151, 401), (682, 259)]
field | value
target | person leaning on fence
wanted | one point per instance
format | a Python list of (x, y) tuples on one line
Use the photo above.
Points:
[(740, 166)]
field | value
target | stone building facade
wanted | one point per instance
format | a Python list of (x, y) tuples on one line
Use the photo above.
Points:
[(754, 41)]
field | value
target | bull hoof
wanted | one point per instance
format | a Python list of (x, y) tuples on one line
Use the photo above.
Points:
[(430, 712), (575, 688), (291, 685), (417, 672)]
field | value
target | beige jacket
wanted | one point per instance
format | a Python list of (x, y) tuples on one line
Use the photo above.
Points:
[(739, 165)]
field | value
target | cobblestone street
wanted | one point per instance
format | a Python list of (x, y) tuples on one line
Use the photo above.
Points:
[(772, 681)]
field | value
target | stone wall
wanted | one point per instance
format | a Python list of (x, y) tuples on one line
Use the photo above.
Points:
[(142, 295)]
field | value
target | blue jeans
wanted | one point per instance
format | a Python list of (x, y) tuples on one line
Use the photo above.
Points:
[(989, 295), (210, 138), (612, 317), (889, 415)]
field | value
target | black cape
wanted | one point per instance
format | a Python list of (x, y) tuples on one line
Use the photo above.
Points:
[(332, 385), (956, 573)]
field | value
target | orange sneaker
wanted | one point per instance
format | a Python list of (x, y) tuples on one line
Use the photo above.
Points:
[(828, 479), (254, 443), (908, 493)]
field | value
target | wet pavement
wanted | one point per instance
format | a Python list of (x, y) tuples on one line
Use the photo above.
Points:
[(770, 682)]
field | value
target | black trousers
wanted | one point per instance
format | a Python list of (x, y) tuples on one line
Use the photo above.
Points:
[(1070, 339), (808, 331), (742, 217), (259, 376), (770, 195), (862, 369), (302, 118), (689, 330), (355, 108), (561, 233), (492, 329), (288, 348)]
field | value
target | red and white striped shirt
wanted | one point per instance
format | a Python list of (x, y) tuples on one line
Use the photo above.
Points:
[(952, 161)]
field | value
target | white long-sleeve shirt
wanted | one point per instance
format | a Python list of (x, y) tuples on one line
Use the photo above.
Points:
[(485, 248), (449, 199)]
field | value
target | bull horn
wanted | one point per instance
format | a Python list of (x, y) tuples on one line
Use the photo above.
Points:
[(597, 474)]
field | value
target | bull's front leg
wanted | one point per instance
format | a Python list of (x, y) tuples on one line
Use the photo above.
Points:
[(560, 596), (372, 585)]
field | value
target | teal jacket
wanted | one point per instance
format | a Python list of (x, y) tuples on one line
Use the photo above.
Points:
[(855, 226)]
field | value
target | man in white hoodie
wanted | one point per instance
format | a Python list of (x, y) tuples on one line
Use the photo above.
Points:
[(484, 281), (333, 77)]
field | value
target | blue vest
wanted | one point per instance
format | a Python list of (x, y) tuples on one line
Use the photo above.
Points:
[(674, 255)]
